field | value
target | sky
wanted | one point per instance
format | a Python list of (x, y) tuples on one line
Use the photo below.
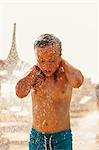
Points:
[(74, 22)]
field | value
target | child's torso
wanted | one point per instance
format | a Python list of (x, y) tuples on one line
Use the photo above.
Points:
[(50, 103)]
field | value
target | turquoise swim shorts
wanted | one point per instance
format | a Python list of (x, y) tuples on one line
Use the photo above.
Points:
[(55, 141)]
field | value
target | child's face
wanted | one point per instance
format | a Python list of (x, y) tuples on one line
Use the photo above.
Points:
[(48, 59)]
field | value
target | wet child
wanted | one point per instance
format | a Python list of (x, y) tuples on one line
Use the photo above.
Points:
[(50, 82)]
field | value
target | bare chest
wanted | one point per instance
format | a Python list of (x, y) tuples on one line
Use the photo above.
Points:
[(50, 89)]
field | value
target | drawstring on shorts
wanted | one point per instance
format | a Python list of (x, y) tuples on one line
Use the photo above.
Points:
[(50, 143)]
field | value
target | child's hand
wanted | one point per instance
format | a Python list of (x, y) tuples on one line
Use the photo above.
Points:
[(74, 76)]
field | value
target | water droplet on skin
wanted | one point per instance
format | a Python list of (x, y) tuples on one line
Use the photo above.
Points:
[(44, 124), (44, 111), (43, 114)]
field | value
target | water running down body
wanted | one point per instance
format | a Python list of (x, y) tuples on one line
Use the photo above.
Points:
[(51, 82)]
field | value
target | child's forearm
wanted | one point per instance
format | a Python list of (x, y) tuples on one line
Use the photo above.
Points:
[(22, 88), (24, 85), (73, 75)]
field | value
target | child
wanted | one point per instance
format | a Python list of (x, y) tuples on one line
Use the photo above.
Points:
[(50, 81)]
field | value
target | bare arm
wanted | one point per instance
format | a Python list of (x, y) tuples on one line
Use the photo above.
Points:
[(24, 85), (74, 76)]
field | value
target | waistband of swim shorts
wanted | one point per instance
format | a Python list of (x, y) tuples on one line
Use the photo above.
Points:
[(66, 132)]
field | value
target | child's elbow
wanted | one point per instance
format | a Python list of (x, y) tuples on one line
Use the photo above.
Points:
[(21, 89), (78, 82), (21, 94)]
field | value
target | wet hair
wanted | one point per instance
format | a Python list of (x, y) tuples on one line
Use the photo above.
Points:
[(47, 40)]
